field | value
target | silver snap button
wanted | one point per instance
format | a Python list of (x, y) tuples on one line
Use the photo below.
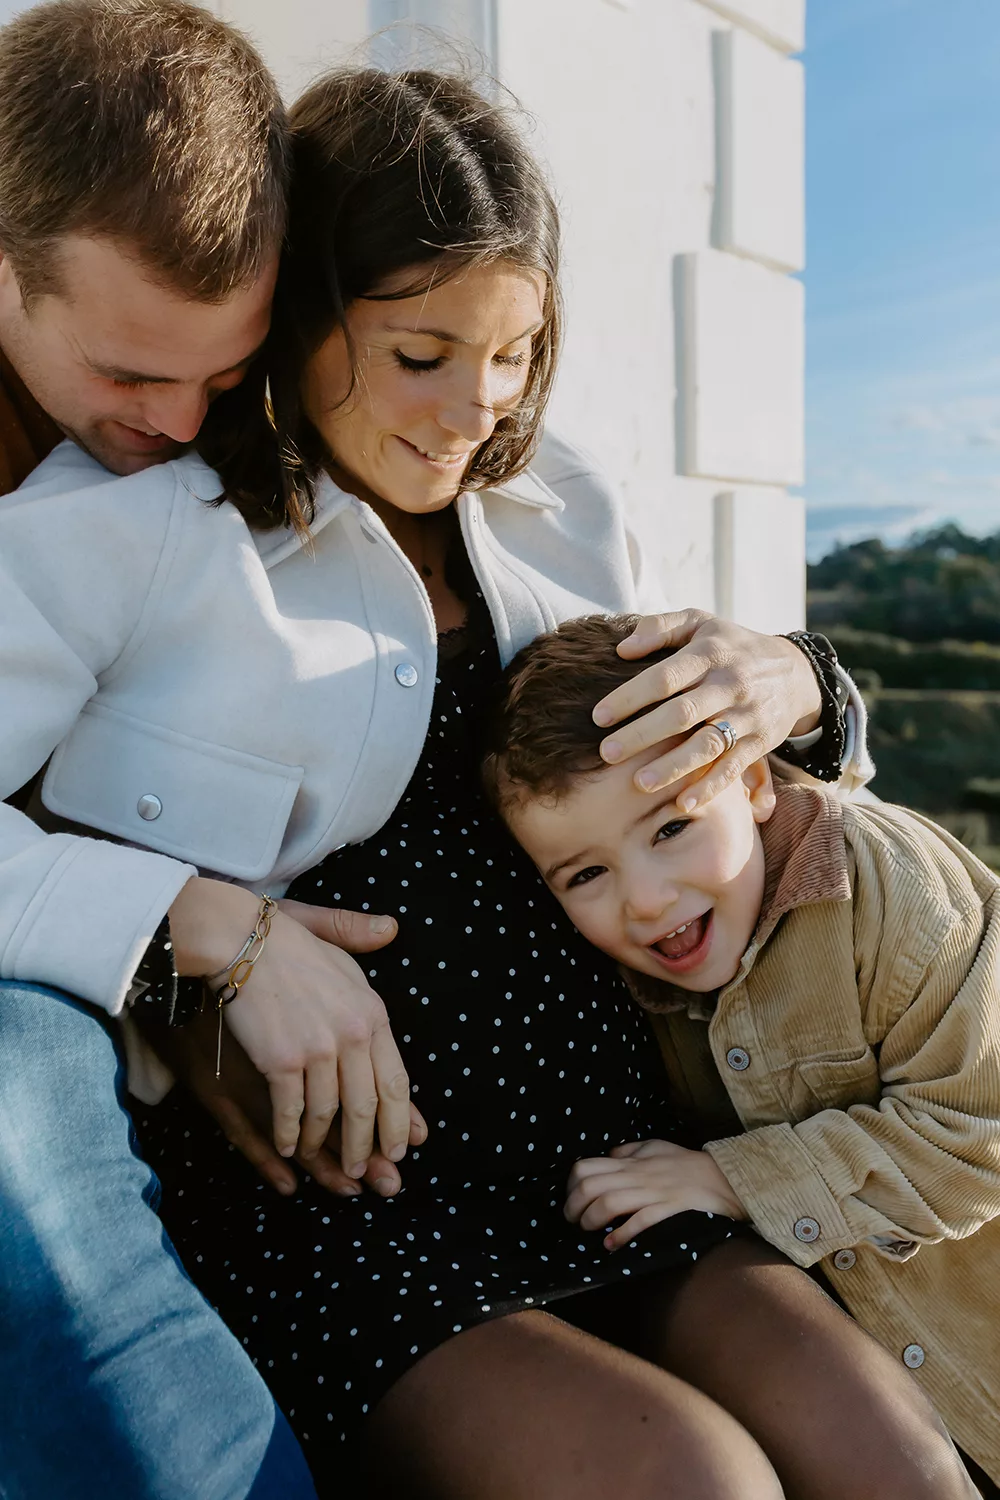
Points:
[(149, 807), (844, 1259), (806, 1230), (407, 674), (913, 1356), (738, 1059)]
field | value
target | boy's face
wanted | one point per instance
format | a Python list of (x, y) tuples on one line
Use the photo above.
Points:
[(674, 895)]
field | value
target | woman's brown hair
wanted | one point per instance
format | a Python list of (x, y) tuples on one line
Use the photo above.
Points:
[(400, 181)]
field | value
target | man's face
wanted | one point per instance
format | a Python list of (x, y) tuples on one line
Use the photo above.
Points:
[(126, 367), (675, 895)]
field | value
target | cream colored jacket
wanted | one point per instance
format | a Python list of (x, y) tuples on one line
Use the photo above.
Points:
[(860, 1046), (228, 702)]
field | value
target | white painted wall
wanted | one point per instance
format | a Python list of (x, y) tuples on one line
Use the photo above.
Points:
[(760, 191), (627, 102), (300, 38), (742, 363)]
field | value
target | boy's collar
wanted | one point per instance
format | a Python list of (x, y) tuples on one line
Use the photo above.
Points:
[(805, 863), (805, 856)]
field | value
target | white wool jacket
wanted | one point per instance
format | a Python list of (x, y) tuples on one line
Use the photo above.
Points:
[(209, 699)]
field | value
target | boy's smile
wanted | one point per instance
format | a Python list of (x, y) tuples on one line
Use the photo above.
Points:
[(674, 895)]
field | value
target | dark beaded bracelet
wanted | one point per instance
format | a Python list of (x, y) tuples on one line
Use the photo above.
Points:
[(159, 989), (825, 758)]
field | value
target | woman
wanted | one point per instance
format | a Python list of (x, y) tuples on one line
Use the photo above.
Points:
[(263, 684)]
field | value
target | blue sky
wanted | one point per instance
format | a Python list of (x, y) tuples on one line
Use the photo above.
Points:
[(903, 275)]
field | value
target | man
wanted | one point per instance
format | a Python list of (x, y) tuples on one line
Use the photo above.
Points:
[(143, 166)]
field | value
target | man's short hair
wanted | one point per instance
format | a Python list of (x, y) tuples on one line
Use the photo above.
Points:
[(541, 733), (149, 122)]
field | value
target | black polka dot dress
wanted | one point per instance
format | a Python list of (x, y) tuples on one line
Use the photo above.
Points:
[(525, 1053)]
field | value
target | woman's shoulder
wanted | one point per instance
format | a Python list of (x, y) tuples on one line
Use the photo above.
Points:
[(565, 483), (572, 473)]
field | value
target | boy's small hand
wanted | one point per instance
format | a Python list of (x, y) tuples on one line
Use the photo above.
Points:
[(649, 1181)]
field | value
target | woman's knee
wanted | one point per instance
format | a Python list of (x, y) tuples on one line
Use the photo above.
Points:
[(708, 1456), (837, 1412), (528, 1407), (912, 1455)]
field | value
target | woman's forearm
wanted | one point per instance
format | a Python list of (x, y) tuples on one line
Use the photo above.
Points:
[(209, 922)]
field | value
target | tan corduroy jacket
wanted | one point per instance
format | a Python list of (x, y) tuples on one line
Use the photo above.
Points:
[(859, 1046)]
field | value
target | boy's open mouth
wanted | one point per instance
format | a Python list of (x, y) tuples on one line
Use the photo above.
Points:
[(686, 946)]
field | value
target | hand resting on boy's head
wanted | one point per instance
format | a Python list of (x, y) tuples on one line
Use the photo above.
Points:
[(761, 685), (647, 1181)]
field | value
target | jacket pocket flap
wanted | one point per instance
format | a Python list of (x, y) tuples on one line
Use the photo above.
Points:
[(837, 1082), (220, 809)]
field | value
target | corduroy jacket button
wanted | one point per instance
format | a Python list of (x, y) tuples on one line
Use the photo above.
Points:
[(844, 1259), (913, 1356), (738, 1059), (806, 1230)]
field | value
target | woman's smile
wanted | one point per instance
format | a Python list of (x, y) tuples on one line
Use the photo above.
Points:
[(445, 461)]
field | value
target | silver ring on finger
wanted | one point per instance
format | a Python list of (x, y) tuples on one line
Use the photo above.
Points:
[(727, 731)]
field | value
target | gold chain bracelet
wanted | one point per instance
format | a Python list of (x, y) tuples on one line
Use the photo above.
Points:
[(235, 974)]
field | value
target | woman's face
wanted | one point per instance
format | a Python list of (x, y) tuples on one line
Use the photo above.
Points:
[(435, 373)]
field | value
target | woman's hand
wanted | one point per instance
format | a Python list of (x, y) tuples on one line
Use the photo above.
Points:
[(307, 1019), (761, 685), (650, 1181)]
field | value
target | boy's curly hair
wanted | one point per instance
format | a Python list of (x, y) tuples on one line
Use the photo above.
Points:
[(541, 733)]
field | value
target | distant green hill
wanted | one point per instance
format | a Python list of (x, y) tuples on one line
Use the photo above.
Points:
[(919, 627), (973, 666), (940, 585)]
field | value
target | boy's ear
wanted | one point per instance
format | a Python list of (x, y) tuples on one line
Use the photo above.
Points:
[(760, 790)]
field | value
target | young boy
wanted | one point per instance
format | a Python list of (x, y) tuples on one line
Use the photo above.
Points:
[(824, 979)]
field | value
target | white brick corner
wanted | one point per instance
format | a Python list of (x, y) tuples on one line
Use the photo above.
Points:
[(760, 187), (759, 552), (741, 371), (780, 22)]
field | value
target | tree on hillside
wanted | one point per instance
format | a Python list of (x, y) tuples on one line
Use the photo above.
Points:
[(939, 585)]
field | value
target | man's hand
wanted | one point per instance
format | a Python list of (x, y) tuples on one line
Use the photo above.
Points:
[(308, 1021), (240, 1104), (650, 1181)]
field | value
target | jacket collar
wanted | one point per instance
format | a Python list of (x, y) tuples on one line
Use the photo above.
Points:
[(274, 546), (528, 489), (805, 864), (805, 855)]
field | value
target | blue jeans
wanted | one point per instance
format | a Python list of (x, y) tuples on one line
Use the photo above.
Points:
[(116, 1377)]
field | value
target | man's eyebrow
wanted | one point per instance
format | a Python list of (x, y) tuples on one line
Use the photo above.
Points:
[(453, 338), (136, 377)]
